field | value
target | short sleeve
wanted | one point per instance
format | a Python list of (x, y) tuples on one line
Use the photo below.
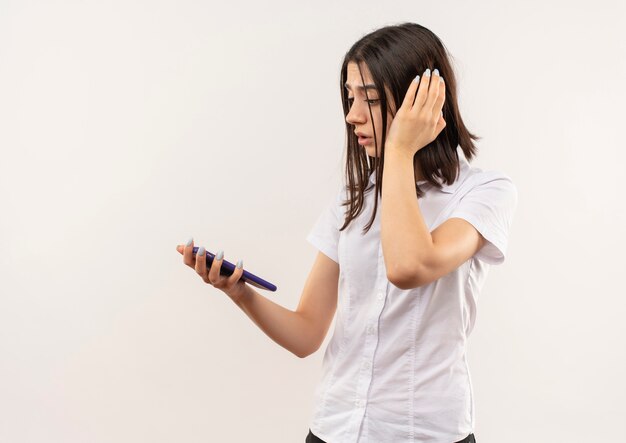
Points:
[(490, 207), (325, 233)]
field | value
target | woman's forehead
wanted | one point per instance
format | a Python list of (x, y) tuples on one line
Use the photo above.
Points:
[(354, 77), (354, 84)]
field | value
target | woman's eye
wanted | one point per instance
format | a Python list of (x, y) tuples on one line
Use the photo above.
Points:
[(371, 101)]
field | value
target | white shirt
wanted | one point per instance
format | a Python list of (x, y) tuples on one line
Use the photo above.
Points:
[(395, 369)]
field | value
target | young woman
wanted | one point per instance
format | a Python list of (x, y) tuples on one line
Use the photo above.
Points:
[(404, 278)]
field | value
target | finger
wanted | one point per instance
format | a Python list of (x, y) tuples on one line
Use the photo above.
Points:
[(441, 123), (236, 275), (214, 272), (441, 98), (188, 253), (433, 94), (422, 92), (200, 265)]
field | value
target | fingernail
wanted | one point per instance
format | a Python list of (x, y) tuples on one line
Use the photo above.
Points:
[(220, 255), (240, 264), (440, 79), (436, 71), (201, 250), (189, 241), (417, 78), (427, 72)]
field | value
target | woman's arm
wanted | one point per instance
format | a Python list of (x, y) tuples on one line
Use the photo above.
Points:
[(287, 328), (303, 331)]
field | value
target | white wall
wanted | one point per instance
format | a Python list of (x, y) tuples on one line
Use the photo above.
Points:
[(128, 126)]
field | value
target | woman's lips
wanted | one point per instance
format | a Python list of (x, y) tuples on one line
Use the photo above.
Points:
[(365, 140)]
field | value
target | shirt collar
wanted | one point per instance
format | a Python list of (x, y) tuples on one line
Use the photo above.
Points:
[(449, 189)]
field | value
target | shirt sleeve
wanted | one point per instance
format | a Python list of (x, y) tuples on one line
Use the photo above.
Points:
[(490, 207), (325, 232)]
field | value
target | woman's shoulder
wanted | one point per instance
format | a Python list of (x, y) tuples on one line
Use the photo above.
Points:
[(496, 179)]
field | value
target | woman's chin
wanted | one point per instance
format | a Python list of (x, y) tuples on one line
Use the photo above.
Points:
[(370, 150)]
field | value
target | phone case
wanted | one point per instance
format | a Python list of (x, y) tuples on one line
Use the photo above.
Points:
[(228, 268)]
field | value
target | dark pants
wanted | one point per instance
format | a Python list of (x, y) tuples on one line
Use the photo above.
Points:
[(311, 438)]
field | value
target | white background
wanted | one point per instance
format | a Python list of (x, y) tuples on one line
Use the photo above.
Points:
[(128, 126)]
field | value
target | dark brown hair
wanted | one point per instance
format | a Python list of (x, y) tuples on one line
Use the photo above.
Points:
[(394, 55)]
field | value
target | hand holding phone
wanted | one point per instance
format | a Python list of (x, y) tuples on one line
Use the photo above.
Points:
[(223, 275)]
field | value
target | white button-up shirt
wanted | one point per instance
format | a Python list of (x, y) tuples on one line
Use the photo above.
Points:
[(395, 369)]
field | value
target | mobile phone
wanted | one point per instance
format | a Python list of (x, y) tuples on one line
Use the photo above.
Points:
[(228, 268)]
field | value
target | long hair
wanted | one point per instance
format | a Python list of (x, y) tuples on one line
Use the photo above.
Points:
[(394, 55)]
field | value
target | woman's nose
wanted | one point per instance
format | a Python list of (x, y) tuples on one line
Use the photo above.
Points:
[(356, 115)]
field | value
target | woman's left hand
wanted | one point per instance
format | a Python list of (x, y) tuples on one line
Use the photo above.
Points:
[(418, 123)]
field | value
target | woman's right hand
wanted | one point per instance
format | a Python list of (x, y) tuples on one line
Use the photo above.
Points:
[(231, 285)]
